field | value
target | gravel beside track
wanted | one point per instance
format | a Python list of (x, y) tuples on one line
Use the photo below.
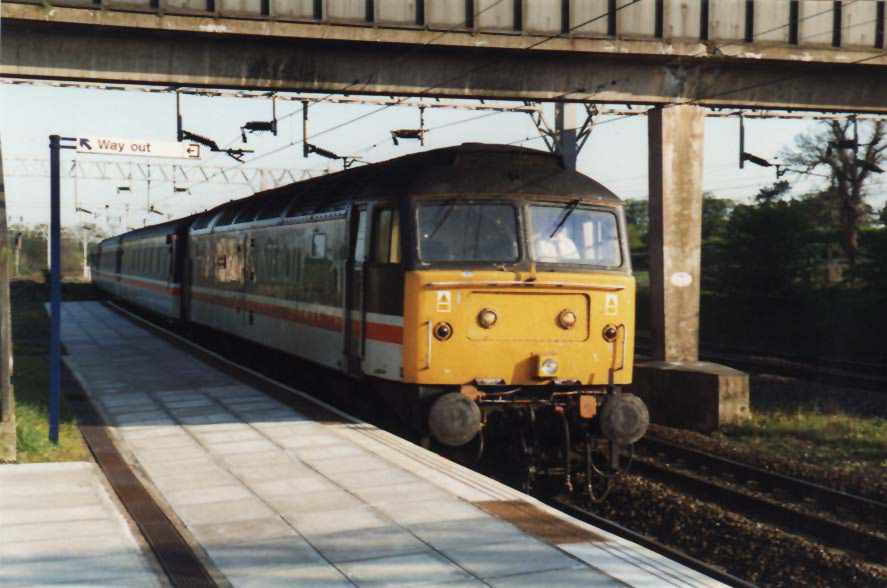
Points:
[(840, 506), (823, 526), (758, 553)]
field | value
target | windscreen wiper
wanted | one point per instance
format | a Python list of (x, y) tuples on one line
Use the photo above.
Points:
[(450, 205), (569, 210)]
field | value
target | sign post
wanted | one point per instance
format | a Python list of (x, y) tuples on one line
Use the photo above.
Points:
[(97, 146), (55, 286)]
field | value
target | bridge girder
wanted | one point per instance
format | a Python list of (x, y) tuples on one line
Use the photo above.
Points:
[(234, 53)]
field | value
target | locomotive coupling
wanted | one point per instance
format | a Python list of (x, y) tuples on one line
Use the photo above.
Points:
[(624, 418), (454, 419)]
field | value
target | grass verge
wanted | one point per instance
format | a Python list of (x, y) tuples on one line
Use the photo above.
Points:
[(830, 440), (818, 425), (30, 343)]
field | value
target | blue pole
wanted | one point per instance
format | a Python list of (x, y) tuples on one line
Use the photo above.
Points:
[(55, 301)]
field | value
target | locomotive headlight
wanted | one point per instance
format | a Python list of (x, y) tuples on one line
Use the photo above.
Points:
[(610, 333), (487, 318), (548, 367), (566, 319), (443, 331)]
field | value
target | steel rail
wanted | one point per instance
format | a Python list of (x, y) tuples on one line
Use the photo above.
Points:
[(824, 530), (800, 489), (650, 543)]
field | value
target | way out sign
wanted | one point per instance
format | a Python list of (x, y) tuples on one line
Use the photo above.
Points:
[(137, 147)]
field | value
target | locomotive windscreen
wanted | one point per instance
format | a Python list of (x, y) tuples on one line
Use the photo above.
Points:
[(572, 234), (468, 232)]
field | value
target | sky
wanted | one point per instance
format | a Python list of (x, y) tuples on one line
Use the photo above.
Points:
[(615, 154)]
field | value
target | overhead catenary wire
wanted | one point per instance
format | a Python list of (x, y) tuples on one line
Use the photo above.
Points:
[(741, 89), (549, 38), (435, 128), (341, 125), (438, 84), (378, 70)]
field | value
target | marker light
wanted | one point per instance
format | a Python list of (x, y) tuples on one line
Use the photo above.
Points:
[(487, 318), (548, 367), (566, 319), (443, 331)]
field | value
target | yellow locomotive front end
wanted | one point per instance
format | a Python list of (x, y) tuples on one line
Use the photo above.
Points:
[(529, 329), (522, 304)]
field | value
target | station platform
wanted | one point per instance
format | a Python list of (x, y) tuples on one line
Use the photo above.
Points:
[(60, 524), (304, 495)]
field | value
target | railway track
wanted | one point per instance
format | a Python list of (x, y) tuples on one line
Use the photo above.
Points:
[(795, 505), (577, 512), (843, 373)]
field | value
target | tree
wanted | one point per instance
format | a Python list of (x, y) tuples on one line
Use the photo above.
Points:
[(765, 251), (883, 216), (850, 159), (715, 213), (637, 217), (770, 194)]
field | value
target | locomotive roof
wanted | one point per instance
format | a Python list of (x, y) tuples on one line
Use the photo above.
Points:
[(470, 168)]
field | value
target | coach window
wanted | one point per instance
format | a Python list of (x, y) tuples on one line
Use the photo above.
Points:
[(202, 222), (386, 236), (274, 206), (318, 245), (227, 217)]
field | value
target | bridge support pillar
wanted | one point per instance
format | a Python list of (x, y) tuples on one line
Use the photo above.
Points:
[(565, 117), (681, 390)]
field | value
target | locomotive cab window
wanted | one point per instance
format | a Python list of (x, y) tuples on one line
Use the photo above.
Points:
[(573, 234), (360, 242), (468, 232), (386, 236)]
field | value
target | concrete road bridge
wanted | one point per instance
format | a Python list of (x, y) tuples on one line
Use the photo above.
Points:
[(680, 56), (766, 53)]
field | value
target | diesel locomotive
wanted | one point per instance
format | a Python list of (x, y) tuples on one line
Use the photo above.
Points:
[(466, 287)]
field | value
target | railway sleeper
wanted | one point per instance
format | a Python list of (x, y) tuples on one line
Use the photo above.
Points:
[(862, 509), (823, 530)]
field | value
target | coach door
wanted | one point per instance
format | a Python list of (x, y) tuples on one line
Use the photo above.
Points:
[(118, 267), (250, 264), (182, 271), (355, 309)]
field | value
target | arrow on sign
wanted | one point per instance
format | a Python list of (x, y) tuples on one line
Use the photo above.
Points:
[(84, 144), (193, 150)]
